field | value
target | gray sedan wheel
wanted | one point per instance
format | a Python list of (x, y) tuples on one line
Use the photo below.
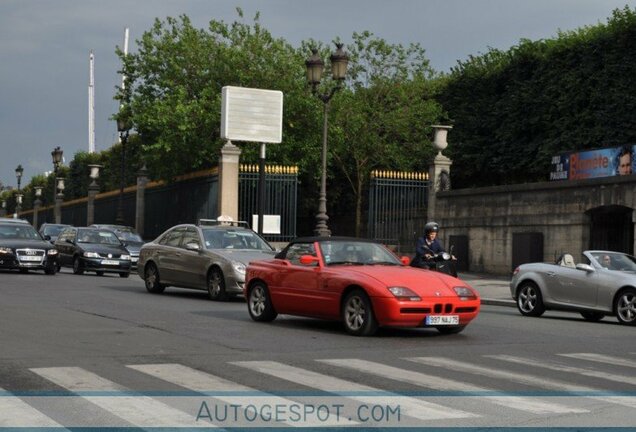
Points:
[(625, 307), (529, 300), (259, 303), (216, 285), (152, 281), (357, 314)]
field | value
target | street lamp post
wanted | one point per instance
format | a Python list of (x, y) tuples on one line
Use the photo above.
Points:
[(3, 209), (36, 205), (123, 128), (18, 175), (315, 67)]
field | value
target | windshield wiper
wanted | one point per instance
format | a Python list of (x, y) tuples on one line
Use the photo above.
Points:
[(392, 263), (345, 263)]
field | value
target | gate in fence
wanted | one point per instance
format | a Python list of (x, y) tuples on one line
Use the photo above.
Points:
[(397, 207), (281, 185)]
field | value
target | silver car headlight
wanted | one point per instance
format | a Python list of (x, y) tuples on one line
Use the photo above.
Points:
[(52, 252), (4, 250), (125, 257), (91, 254), (238, 267)]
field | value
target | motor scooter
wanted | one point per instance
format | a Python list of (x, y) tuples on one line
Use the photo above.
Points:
[(442, 262)]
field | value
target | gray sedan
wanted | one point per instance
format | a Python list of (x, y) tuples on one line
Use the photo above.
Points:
[(205, 257), (603, 283)]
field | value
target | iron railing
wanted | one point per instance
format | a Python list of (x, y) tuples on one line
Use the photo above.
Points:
[(397, 207), (281, 187)]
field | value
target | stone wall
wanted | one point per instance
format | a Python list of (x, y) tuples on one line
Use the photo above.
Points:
[(560, 210)]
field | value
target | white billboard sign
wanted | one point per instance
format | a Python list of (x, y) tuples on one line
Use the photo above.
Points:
[(271, 223), (254, 115)]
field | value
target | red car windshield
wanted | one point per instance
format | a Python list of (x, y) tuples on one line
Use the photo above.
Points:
[(351, 252)]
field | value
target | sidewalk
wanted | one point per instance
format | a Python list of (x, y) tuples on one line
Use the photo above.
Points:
[(494, 290)]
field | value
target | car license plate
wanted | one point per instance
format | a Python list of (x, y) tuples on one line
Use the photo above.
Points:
[(442, 320), (110, 262), (30, 258)]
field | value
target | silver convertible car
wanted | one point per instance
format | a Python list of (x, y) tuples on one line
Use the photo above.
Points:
[(603, 283), (208, 256)]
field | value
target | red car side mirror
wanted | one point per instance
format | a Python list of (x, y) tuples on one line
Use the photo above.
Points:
[(405, 260), (308, 259)]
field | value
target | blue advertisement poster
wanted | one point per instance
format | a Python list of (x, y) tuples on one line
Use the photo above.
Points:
[(594, 163)]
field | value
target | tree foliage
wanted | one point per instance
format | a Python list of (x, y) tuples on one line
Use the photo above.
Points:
[(515, 109)]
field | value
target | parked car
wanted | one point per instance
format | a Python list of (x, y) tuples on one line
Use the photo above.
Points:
[(603, 283), (129, 237), (359, 282), (92, 249), (24, 249), (50, 231), (209, 256)]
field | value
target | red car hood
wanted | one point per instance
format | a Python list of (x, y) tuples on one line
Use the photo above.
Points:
[(424, 282)]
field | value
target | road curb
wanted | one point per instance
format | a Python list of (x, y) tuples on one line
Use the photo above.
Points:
[(498, 302)]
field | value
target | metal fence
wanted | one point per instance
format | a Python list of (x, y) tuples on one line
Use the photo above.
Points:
[(281, 187), (397, 207)]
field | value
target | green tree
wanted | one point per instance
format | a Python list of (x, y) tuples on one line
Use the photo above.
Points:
[(382, 121)]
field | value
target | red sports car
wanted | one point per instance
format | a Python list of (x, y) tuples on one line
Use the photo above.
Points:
[(360, 282)]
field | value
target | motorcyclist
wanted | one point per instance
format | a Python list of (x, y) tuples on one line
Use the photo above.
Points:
[(427, 247)]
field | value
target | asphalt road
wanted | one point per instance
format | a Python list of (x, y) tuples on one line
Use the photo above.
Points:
[(87, 341)]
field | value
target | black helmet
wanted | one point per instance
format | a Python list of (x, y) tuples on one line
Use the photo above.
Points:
[(431, 227)]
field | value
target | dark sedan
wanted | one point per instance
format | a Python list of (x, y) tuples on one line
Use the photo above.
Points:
[(24, 249), (92, 249), (129, 237), (50, 231)]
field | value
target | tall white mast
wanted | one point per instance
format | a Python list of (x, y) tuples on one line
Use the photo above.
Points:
[(91, 103), (123, 76)]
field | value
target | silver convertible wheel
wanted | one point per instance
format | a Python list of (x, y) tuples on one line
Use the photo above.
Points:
[(259, 304), (529, 300), (357, 314), (625, 307)]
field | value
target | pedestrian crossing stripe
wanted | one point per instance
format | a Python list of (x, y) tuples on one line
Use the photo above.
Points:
[(534, 405), (175, 409)]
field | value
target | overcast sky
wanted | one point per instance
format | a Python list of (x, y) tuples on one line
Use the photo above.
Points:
[(45, 45)]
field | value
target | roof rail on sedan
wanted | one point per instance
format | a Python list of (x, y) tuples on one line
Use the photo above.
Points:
[(223, 222)]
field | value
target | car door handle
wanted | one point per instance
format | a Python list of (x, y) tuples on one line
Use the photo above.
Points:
[(551, 274)]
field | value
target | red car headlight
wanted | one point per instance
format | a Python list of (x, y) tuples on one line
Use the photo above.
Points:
[(404, 294), (465, 293)]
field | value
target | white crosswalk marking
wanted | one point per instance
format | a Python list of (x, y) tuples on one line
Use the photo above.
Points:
[(199, 381), (521, 378), (14, 412), (140, 411), (533, 405), (568, 369), (600, 358), (411, 407)]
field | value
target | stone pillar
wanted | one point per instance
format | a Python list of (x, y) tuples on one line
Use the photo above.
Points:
[(93, 189), (59, 198), (228, 180), (36, 209), (140, 206), (438, 171)]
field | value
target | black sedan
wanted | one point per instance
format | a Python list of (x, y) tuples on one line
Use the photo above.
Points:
[(92, 249), (24, 249)]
